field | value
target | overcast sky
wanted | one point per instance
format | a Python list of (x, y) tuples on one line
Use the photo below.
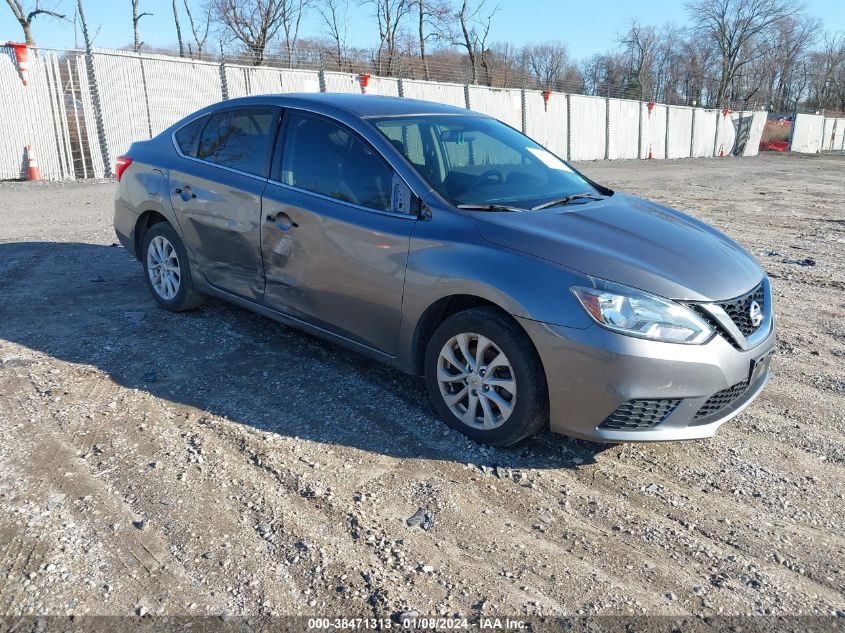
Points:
[(585, 27)]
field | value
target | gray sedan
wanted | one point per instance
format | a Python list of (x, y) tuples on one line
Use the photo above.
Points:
[(449, 245)]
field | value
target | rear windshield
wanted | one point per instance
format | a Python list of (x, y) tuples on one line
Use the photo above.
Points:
[(477, 160)]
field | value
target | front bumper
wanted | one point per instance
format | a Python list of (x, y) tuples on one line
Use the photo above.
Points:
[(591, 372)]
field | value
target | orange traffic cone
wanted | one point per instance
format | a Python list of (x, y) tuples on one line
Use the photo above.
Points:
[(32, 171), (22, 57)]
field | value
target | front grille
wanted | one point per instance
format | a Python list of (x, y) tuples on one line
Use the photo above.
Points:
[(708, 318), (738, 309), (639, 414), (722, 400)]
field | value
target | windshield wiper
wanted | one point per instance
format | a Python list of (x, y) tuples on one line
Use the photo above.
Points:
[(489, 207), (566, 200)]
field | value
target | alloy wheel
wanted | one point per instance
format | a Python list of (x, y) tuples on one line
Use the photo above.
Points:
[(163, 268), (476, 381)]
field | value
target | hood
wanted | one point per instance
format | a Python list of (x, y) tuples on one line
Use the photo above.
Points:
[(633, 242)]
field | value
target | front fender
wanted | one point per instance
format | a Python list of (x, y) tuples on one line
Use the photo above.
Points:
[(448, 257)]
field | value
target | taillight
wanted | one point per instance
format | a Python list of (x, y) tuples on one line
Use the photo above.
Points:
[(122, 163)]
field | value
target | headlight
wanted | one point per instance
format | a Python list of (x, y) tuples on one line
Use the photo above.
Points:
[(636, 313)]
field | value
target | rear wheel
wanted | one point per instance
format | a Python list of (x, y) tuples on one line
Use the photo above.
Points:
[(167, 270), (485, 379)]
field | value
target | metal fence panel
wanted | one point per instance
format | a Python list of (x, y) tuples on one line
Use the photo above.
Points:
[(383, 86), (126, 114), (807, 130), (623, 120), (88, 116), (237, 84), (749, 130), (166, 101), (839, 135), (828, 131), (587, 136), (342, 82), (654, 131), (14, 139), (503, 104), (300, 81), (704, 132), (545, 121), (679, 132), (264, 81), (33, 115), (725, 135), (243, 81), (449, 94), (46, 131)]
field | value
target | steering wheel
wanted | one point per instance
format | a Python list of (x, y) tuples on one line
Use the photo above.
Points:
[(490, 174)]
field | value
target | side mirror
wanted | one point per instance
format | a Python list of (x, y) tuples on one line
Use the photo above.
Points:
[(403, 199)]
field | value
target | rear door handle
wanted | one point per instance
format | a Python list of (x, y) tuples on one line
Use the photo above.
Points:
[(185, 191), (282, 220)]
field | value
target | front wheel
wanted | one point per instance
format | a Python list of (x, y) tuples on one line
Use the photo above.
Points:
[(167, 270), (485, 379)]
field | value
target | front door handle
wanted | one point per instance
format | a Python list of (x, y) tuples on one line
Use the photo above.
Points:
[(282, 220)]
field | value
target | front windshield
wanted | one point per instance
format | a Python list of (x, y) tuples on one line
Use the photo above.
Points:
[(473, 160)]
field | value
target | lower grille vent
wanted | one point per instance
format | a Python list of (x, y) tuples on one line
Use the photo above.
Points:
[(639, 414), (722, 400)]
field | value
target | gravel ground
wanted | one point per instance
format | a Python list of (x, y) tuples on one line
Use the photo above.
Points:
[(215, 462)]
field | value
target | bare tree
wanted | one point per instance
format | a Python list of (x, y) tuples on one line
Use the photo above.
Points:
[(432, 23), (604, 75), (389, 15), (335, 17), (733, 25), (178, 30), (827, 74), (793, 37), (475, 22), (548, 63), (25, 17), (199, 30), (690, 65), (253, 23), (641, 44), (292, 12), (136, 18)]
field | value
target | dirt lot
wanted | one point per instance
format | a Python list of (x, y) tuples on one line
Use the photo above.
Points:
[(215, 462)]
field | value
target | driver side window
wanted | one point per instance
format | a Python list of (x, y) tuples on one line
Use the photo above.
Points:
[(327, 158)]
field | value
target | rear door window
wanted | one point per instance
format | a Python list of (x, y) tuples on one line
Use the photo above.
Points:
[(239, 139)]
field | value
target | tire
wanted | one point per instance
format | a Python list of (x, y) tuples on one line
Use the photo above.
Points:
[(173, 289), (501, 417)]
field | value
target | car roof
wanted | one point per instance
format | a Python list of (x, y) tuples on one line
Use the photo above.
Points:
[(360, 105)]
